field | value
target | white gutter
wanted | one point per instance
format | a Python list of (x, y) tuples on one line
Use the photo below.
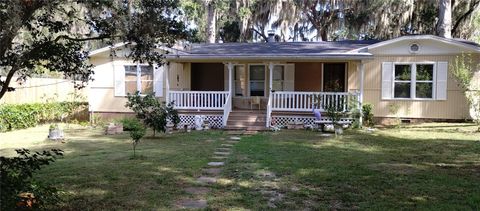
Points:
[(263, 57)]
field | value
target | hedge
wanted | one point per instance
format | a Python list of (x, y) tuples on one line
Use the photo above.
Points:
[(19, 116)]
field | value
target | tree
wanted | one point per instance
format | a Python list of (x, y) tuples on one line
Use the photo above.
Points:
[(444, 25), (136, 133), (464, 71), (53, 34), (151, 112)]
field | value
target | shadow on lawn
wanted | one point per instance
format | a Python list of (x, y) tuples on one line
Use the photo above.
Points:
[(356, 171), (97, 171)]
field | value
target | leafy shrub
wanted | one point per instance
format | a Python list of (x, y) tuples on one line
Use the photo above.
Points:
[(128, 123), (151, 112), (367, 114), (21, 116), (16, 178), (136, 133)]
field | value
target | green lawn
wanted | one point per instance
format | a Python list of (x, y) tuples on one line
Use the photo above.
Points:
[(428, 166)]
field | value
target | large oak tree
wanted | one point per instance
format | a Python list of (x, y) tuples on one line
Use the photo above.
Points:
[(53, 34)]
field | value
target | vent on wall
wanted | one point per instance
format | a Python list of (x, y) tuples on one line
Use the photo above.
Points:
[(414, 48)]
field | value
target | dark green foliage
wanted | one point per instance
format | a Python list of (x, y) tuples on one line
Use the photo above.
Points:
[(54, 35), (16, 177), (151, 112), (230, 32), (128, 123), (172, 114), (367, 114), (136, 133), (29, 115)]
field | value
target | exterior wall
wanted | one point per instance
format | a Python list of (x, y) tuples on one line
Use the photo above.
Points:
[(207, 76), (101, 95), (308, 76), (455, 107)]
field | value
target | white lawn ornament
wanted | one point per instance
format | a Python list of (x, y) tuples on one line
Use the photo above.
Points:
[(198, 122)]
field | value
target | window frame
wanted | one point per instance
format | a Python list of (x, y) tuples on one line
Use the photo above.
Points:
[(139, 77), (282, 82), (413, 80), (264, 79)]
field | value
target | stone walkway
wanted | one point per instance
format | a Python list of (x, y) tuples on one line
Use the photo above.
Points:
[(209, 176)]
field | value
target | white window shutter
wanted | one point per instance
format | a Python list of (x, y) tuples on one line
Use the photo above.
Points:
[(158, 75), (119, 78), (289, 78), (387, 80), (441, 83)]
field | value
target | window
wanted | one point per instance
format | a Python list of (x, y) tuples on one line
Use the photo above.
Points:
[(403, 78), (424, 81), (413, 81), (278, 77), (239, 78), (257, 80), (138, 78)]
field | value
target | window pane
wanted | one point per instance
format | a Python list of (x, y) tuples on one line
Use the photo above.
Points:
[(147, 87), (130, 87), (257, 88), (130, 73), (277, 85), (402, 90), (402, 72), (239, 72), (278, 72), (147, 72), (424, 90), (257, 72), (424, 72)]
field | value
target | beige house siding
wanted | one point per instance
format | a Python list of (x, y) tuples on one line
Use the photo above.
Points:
[(455, 107)]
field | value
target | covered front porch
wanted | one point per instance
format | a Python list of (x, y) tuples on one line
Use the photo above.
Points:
[(283, 92)]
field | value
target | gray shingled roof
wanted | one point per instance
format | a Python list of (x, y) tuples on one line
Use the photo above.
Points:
[(277, 48)]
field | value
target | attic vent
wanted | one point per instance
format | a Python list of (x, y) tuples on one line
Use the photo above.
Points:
[(414, 48)]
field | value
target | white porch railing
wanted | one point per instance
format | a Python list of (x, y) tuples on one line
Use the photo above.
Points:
[(305, 101), (227, 109), (205, 100)]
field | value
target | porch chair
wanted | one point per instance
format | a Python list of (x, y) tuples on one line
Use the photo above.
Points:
[(255, 101)]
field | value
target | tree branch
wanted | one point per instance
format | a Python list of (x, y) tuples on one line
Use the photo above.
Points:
[(7, 81), (261, 34), (464, 16), (66, 37)]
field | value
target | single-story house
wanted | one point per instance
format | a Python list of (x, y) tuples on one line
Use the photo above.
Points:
[(258, 85)]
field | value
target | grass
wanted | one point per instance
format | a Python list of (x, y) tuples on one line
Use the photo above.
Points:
[(429, 166), (426, 167), (98, 172)]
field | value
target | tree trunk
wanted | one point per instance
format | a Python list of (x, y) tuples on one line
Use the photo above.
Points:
[(211, 21), (444, 25)]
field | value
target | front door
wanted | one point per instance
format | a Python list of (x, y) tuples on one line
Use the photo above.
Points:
[(334, 77)]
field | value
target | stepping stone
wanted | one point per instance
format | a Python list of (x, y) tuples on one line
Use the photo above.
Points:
[(197, 190), (226, 145), (219, 157), (235, 132), (250, 132), (232, 142), (235, 138), (221, 139), (213, 171), (192, 204), (207, 180), (223, 149), (216, 163), (221, 153)]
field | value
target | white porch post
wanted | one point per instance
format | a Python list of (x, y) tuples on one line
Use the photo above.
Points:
[(360, 98), (167, 83), (230, 75), (270, 88)]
